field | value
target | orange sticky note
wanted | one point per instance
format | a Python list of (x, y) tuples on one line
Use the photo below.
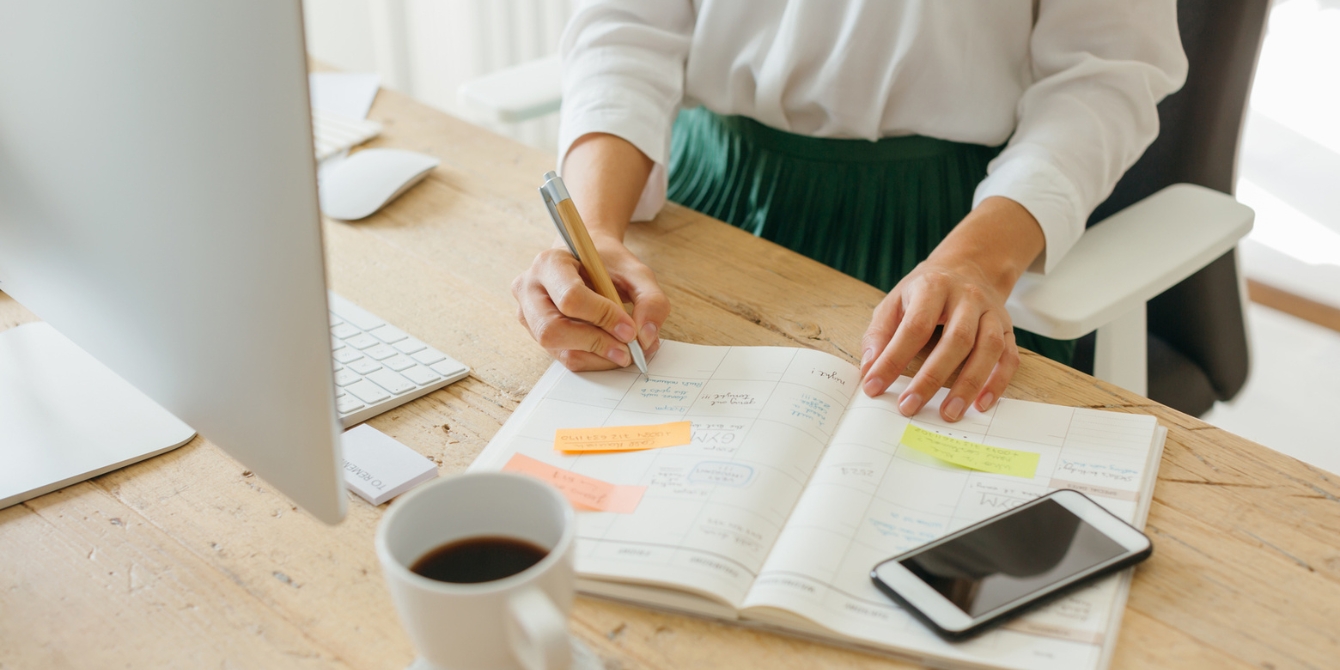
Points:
[(622, 438), (583, 492)]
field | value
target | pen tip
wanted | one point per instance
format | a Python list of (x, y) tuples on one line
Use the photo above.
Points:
[(636, 350)]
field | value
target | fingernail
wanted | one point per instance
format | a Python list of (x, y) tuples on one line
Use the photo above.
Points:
[(649, 334), (874, 386), (618, 355), (954, 409), (868, 356), (624, 332), (910, 404), (985, 403)]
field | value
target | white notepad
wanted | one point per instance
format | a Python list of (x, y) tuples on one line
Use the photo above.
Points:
[(378, 468)]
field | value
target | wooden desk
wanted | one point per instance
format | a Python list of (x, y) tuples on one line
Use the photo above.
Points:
[(187, 560)]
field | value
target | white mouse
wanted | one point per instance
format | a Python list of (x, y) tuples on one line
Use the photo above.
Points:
[(363, 183)]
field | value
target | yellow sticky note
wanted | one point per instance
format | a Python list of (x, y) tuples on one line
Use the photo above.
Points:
[(971, 454), (622, 438)]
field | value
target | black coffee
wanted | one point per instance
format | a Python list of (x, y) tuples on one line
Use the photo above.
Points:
[(478, 559)]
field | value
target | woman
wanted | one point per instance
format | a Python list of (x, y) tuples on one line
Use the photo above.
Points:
[(936, 149)]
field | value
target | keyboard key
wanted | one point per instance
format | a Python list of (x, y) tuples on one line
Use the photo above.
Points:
[(429, 356), (421, 375), (381, 352), (362, 341), (391, 381), (378, 366), (447, 368), (410, 345), (344, 331), (365, 322), (389, 334), (363, 366), (368, 392), (347, 354), (352, 313), (398, 362)]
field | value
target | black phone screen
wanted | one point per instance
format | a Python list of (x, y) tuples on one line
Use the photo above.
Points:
[(1012, 557)]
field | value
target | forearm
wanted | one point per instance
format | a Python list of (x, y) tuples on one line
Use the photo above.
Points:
[(605, 175), (999, 238)]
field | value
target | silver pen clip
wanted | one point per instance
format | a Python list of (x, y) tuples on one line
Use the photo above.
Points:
[(552, 205)]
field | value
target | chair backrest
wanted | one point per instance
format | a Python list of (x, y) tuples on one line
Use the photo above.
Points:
[(1200, 127)]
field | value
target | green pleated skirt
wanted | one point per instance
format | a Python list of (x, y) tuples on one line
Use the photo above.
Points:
[(870, 209)]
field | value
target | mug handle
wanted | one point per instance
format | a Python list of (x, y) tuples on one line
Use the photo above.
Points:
[(538, 632)]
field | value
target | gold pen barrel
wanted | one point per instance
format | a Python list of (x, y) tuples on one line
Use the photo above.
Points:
[(586, 250)]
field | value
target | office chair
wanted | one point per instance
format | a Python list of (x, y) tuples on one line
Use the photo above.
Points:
[(1153, 292), (1197, 346)]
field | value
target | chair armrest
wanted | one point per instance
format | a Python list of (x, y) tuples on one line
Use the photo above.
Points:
[(518, 93), (1128, 259)]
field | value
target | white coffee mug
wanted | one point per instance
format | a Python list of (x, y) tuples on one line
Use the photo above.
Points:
[(519, 621)]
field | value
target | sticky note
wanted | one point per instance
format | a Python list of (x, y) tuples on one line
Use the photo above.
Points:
[(971, 454), (622, 438), (585, 493)]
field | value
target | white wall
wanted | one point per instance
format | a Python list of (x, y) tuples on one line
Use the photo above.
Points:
[(337, 33), (427, 48)]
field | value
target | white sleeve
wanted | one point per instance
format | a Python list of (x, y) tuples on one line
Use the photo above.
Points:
[(1099, 70), (623, 74)]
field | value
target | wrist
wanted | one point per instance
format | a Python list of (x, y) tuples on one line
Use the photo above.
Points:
[(604, 236), (998, 240)]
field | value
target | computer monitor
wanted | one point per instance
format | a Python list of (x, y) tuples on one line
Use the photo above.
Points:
[(158, 207)]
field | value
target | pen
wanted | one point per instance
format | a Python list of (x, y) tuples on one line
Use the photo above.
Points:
[(570, 227)]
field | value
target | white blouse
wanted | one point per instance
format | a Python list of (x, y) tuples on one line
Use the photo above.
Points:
[(1072, 84)]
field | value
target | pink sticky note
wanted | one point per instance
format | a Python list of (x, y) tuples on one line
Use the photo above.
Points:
[(585, 493)]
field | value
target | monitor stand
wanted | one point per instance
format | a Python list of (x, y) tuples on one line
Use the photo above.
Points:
[(64, 417)]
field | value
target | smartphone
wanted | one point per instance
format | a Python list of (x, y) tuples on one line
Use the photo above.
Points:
[(968, 581)]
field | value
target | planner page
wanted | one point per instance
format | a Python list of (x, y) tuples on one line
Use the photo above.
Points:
[(871, 498), (711, 510)]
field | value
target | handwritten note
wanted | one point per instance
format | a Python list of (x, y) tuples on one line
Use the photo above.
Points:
[(622, 438), (971, 454), (585, 493)]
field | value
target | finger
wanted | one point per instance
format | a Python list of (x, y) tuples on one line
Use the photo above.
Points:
[(957, 341), (883, 324), (650, 305), (1001, 375), (986, 352), (914, 330), (558, 333), (575, 300), (650, 352), (582, 361)]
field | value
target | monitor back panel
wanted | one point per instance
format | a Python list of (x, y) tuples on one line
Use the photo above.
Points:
[(158, 206)]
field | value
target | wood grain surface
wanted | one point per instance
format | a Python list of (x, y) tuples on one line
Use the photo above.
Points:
[(188, 560)]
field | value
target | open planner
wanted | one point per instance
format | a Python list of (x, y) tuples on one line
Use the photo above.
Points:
[(795, 485)]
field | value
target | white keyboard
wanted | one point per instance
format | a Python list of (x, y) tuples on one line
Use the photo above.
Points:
[(379, 366), (334, 133)]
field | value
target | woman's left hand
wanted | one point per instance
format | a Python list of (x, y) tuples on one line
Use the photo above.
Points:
[(962, 286)]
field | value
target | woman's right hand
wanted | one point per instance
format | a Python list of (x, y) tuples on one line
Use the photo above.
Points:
[(580, 328)]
